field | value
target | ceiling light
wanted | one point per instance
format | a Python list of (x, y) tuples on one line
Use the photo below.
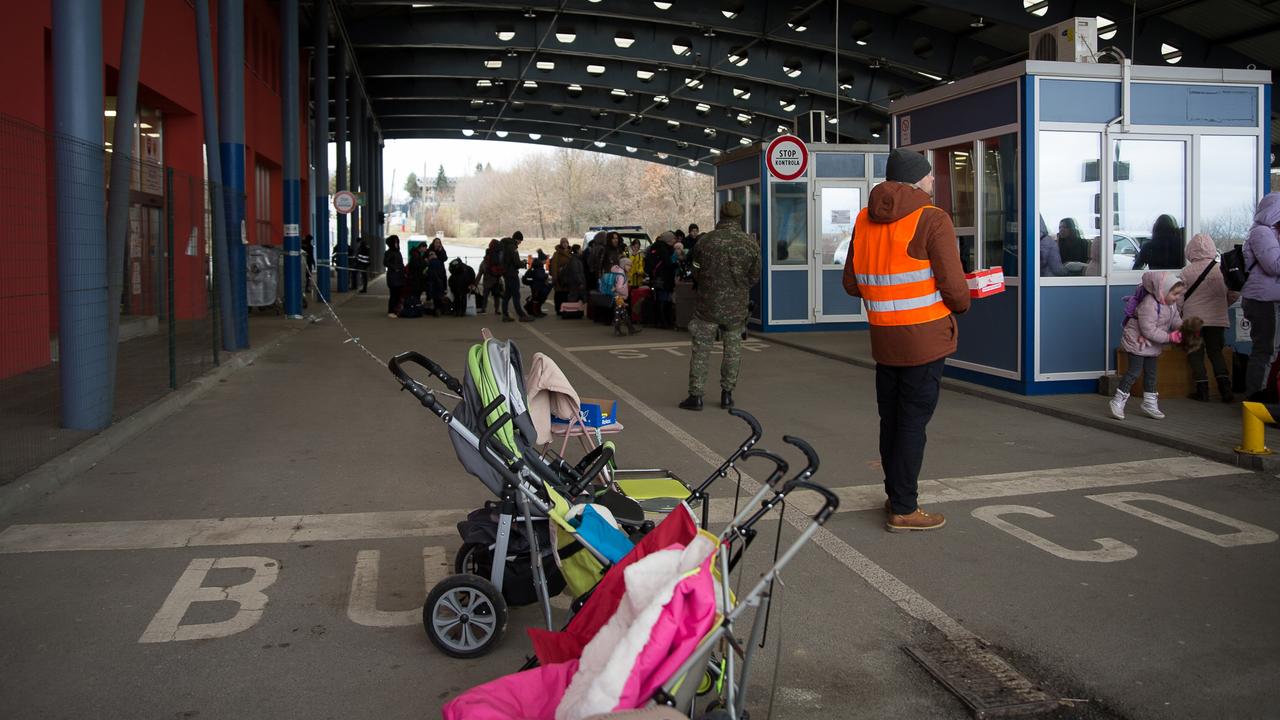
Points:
[(978, 23), (618, 92), (644, 75), (566, 36), (575, 87), (744, 118), (715, 151), (511, 52), (662, 156), (708, 31), (501, 133), (874, 64), (925, 74), (862, 43), (846, 86), (799, 23), (630, 149), (679, 47), (791, 70), (875, 134), (477, 103), (596, 70), (661, 99), (493, 63), (694, 83), (730, 14), (742, 92), (709, 132), (662, 4), (566, 139), (109, 113), (535, 136), (468, 132), (702, 107), (1036, 7), (484, 83), (545, 65), (529, 13), (673, 123), (783, 128), (1171, 54), (598, 144), (505, 34), (624, 40), (530, 84), (833, 120), (787, 104), (738, 57), (692, 162), (1106, 28), (744, 141)]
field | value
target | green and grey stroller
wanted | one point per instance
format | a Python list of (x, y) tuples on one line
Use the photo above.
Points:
[(555, 525)]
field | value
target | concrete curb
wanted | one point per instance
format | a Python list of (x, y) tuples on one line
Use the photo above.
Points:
[(1224, 455), (51, 476)]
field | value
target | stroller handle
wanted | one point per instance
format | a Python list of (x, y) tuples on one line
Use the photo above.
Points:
[(810, 456), (417, 389), (780, 466), (756, 431), (830, 500), (432, 367)]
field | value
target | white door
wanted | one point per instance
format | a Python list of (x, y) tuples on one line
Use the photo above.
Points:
[(836, 206)]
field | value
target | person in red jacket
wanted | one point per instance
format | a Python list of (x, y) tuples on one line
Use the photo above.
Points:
[(904, 262)]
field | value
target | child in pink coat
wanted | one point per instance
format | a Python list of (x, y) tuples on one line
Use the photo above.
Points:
[(1155, 323)]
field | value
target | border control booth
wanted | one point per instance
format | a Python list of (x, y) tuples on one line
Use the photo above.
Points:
[(1060, 173), (803, 218)]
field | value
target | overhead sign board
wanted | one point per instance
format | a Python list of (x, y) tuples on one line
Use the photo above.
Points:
[(344, 201), (787, 157)]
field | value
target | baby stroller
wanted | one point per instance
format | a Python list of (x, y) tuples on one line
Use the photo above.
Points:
[(655, 640)]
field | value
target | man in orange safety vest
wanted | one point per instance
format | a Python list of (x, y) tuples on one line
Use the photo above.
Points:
[(904, 263)]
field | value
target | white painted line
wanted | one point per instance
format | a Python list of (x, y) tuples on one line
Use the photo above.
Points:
[(249, 597), (628, 346), (362, 605), (1246, 533), (1108, 550), (157, 534), (911, 602)]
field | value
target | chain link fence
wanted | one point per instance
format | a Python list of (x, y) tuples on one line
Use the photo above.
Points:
[(168, 330)]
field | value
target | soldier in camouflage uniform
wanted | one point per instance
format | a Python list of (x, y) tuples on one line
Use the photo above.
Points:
[(726, 266)]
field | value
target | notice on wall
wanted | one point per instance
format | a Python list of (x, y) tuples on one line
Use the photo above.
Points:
[(841, 217), (191, 242), (904, 130), (1242, 326)]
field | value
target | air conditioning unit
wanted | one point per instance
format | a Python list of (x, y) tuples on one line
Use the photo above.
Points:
[(1074, 40)]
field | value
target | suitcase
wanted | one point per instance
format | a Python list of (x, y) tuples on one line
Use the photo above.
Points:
[(600, 307), (571, 310), (639, 298)]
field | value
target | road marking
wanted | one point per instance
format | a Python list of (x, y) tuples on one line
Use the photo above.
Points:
[(362, 605), (1032, 482), (167, 625), (1109, 550), (755, 346), (159, 534), (1246, 534)]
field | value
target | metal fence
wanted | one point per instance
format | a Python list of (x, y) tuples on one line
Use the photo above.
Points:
[(168, 332)]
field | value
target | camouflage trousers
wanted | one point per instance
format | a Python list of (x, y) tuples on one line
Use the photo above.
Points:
[(704, 339)]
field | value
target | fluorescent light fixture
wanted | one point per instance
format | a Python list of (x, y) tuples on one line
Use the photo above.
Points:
[(596, 70), (477, 103), (787, 104), (791, 71), (730, 14), (530, 84), (673, 123), (744, 141), (715, 151), (598, 143), (661, 99), (833, 120), (505, 35), (709, 131), (783, 128), (109, 113), (702, 107), (692, 162), (535, 136), (1036, 7), (630, 149), (928, 75), (575, 87), (566, 139), (501, 133), (566, 36), (468, 132), (662, 4), (862, 43), (1106, 28), (662, 156), (798, 24), (694, 83), (738, 57), (484, 83), (679, 48), (741, 92), (875, 134), (493, 63), (644, 75), (624, 40), (545, 65), (744, 117)]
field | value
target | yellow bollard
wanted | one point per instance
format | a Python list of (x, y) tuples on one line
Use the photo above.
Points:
[(1255, 418)]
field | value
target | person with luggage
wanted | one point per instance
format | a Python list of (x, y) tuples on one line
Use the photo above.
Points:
[(416, 274), (393, 261), (511, 277), (728, 267), (536, 278), (1207, 298), (491, 278), (660, 266), (904, 263), (437, 284), (575, 282), (1151, 322), (462, 285), (614, 283), (1261, 293)]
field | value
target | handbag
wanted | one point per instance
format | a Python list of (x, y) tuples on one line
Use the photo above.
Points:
[(471, 304)]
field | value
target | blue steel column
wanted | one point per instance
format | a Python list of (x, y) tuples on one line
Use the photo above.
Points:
[(209, 112), (80, 216), (121, 166), (231, 119), (356, 128), (320, 143), (292, 180), (340, 145)]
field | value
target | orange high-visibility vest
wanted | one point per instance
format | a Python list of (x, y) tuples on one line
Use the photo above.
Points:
[(896, 288)]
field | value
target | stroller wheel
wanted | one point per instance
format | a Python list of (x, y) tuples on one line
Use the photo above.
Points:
[(473, 559), (465, 616)]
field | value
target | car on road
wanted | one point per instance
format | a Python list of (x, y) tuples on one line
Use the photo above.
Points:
[(628, 233)]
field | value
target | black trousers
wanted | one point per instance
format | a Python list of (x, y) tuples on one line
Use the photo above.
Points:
[(511, 285), (393, 298), (559, 299), (1214, 340), (907, 397)]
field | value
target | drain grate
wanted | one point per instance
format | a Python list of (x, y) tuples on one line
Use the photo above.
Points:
[(988, 685)]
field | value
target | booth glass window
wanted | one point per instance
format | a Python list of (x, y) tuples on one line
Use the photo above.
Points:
[(1149, 182), (1000, 203), (1228, 187), (953, 169), (753, 211), (789, 223), (879, 162), (1068, 193), (838, 208)]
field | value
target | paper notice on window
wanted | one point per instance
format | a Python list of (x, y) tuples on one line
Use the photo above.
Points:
[(1242, 326), (191, 242), (841, 217)]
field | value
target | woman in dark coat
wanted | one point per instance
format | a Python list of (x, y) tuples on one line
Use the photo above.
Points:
[(437, 247), (393, 261), (437, 282), (1072, 247), (1165, 250), (416, 280)]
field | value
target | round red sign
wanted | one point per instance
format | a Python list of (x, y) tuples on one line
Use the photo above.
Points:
[(787, 157), (344, 201)]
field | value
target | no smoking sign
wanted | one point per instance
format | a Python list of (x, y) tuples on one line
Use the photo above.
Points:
[(787, 157)]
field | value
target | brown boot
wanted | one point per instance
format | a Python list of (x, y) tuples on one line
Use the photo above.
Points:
[(918, 520)]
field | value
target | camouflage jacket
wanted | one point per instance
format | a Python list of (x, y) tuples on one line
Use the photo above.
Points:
[(726, 266)]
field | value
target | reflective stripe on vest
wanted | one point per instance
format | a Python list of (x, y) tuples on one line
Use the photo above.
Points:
[(896, 288)]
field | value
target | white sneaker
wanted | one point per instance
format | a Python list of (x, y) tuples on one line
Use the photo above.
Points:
[(392, 315), (1151, 405), (1117, 404)]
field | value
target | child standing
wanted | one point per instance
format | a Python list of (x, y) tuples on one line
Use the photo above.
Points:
[(621, 293), (1207, 298), (1150, 325)]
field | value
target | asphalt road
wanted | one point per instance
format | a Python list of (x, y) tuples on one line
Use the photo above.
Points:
[(1135, 581)]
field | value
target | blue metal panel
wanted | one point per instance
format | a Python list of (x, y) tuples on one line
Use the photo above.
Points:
[(1211, 105), (1115, 316), (989, 331), (835, 301), (841, 165), (231, 124), (1030, 226), (762, 289), (879, 163), (1071, 337), (790, 294), (738, 171), (987, 109), (1083, 101)]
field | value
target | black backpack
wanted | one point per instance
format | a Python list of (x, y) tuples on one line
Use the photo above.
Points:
[(1234, 273)]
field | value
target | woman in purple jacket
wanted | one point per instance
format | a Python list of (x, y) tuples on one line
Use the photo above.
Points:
[(1261, 292)]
